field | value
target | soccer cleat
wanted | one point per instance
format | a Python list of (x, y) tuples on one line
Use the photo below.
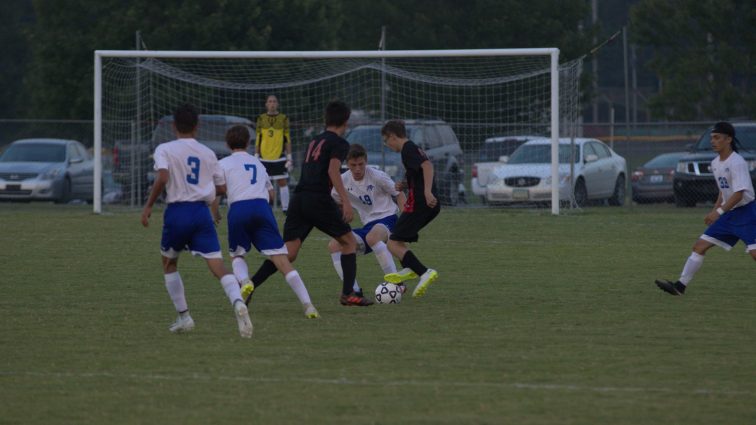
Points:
[(183, 323), (354, 299), (310, 312), (673, 288), (426, 280), (242, 319), (400, 276), (246, 291)]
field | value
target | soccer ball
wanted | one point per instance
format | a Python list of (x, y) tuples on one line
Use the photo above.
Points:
[(388, 293)]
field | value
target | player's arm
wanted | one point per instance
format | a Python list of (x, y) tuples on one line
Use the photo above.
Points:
[(157, 188), (220, 190), (427, 168), (401, 201), (334, 173), (720, 208), (258, 137), (287, 145)]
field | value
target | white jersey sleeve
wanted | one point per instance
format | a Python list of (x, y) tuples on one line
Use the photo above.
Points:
[(192, 170), (732, 176), (246, 177)]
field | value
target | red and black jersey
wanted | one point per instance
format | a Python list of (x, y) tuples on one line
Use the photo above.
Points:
[(318, 156), (412, 159)]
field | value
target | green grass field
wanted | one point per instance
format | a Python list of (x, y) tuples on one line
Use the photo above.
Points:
[(535, 319)]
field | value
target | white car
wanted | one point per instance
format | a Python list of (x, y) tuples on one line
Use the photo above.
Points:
[(495, 151), (599, 173)]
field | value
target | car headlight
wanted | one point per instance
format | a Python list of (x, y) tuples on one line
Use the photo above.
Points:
[(752, 165), (682, 167), (51, 174), (563, 179)]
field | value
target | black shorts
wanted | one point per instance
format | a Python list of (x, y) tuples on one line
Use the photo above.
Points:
[(409, 224), (308, 210), (276, 169)]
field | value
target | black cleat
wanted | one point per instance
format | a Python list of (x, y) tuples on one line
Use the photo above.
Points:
[(355, 300), (672, 288)]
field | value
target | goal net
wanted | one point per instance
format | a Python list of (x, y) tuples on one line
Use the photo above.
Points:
[(468, 109)]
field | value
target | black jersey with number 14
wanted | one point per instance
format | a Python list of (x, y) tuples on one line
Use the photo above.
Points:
[(320, 151), (412, 159)]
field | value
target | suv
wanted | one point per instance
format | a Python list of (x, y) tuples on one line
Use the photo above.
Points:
[(694, 181), (435, 137), (495, 150), (133, 162)]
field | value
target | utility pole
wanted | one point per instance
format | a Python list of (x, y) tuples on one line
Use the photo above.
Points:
[(627, 85), (594, 61)]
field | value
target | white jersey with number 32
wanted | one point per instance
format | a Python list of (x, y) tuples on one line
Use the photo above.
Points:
[(192, 169), (371, 196), (732, 176)]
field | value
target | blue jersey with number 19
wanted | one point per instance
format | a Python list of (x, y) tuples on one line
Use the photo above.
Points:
[(193, 170)]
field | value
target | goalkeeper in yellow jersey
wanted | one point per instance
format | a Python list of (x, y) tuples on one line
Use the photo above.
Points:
[(273, 147)]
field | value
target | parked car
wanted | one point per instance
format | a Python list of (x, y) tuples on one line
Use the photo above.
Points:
[(694, 181), (435, 137), (652, 181), (46, 169), (599, 173), (495, 150)]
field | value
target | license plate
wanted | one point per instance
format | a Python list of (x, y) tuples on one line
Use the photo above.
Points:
[(657, 179), (520, 194), (13, 187)]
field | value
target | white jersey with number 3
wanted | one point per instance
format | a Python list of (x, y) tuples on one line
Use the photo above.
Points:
[(371, 196), (732, 176), (246, 177), (193, 170)]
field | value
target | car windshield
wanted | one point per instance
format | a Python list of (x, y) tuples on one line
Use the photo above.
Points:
[(207, 130), (491, 151), (746, 136), (541, 154), (370, 137), (667, 160), (35, 152)]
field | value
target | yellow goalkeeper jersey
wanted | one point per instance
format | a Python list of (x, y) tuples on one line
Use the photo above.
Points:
[(272, 134)]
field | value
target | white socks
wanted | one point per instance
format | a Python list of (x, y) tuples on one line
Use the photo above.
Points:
[(175, 288), (231, 287), (384, 257), (284, 197), (239, 265), (336, 258), (692, 265), (297, 285)]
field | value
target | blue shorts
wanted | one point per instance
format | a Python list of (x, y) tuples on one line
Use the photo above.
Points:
[(251, 222), (188, 225), (361, 233), (739, 223)]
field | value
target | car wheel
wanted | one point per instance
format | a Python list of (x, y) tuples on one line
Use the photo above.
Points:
[(581, 193), (618, 197), (65, 193)]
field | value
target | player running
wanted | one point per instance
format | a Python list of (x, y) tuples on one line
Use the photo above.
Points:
[(734, 214), (372, 194), (250, 218), (190, 175)]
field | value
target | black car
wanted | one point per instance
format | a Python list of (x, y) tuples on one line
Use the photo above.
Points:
[(694, 181)]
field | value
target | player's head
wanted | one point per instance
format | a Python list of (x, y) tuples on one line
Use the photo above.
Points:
[(237, 137), (723, 137), (394, 134), (357, 161), (185, 119), (337, 114), (271, 104)]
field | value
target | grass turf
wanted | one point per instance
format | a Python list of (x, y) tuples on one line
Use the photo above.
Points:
[(535, 319)]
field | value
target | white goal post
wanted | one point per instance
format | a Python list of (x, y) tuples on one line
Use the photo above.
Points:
[(550, 113)]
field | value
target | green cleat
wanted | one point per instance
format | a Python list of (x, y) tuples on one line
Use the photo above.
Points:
[(246, 291), (426, 280), (310, 312), (400, 276)]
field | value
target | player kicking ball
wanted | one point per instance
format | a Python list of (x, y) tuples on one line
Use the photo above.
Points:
[(734, 214), (251, 220), (421, 207), (190, 175), (372, 194)]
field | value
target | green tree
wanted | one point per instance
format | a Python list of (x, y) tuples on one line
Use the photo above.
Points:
[(17, 17), (704, 55)]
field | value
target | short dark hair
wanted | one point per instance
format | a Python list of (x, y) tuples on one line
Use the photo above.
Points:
[(237, 137), (395, 127), (185, 118), (356, 151), (336, 113)]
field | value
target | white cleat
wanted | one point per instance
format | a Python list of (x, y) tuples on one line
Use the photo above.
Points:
[(242, 319), (426, 280), (310, 311), (183, 323)]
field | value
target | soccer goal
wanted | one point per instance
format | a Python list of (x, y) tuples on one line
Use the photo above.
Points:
[(455, 102)]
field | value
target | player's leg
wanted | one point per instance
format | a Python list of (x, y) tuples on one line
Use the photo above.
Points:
[(175, 287), (376, 240), (405, 231), (296, 284), (348, 244), (283, 189), (335, 249)]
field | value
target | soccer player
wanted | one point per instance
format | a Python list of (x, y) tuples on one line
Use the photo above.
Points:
[(190, 175), (312, 205), (273, 147), (421, 207), (372, 194), (734, 214), (250, 218)]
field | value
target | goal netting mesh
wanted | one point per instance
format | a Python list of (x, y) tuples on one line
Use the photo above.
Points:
[(456, 105)]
